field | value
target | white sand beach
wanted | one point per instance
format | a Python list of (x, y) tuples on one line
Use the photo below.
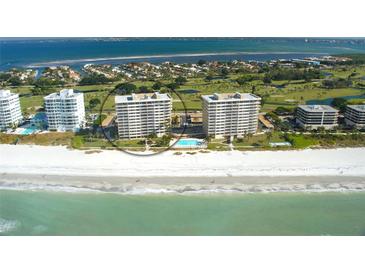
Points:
[(26, 166), (57, 160)]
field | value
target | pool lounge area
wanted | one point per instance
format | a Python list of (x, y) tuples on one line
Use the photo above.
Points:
[(29, 131), (36, 124), (189, 143), (25, 130)]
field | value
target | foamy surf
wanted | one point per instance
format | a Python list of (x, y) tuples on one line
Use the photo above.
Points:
[(52, 188), (8, 225), (190, 190)]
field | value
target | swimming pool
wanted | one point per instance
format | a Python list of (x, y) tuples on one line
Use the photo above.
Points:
[(190, 143), (28, 131)]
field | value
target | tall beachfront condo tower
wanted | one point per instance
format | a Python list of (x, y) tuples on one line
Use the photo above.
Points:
[(316, 116), (140, 115), (65, 110), (10, 113), (230, 114), (355, 116)]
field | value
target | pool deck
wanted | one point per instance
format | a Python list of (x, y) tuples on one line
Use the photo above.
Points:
[(26, 131), (189, 143)]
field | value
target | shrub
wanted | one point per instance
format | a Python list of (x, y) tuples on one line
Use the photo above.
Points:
[(301, 141), (77, 142)]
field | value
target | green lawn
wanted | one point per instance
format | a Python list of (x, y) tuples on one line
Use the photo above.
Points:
[(279, 93), (30, 104), (45, 139), (288, 96), (131, 143), (90, 142), (260, 140), (360, 70), (302, 141), (294, 98), (218, 144)]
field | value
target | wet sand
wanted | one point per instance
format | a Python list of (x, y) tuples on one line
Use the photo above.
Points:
[(183, 184)]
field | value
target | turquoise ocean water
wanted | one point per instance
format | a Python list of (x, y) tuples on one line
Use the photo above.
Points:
[(64, 213)]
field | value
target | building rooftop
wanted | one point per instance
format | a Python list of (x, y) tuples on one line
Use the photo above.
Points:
[(265, 122), (230, 97), (357, 107), (5, 93), (108, 121), (142, 97), (317, 108), (64, 94)]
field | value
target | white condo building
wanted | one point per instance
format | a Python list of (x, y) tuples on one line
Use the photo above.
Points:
[(140, 115), (355, 116), (316, 116), (230, 114), (65, 110), (10, 113)]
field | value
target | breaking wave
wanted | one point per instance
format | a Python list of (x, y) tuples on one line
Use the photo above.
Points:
[(8, 225), (190, 190)]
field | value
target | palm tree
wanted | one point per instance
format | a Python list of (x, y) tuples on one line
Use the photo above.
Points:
[(269, 135)]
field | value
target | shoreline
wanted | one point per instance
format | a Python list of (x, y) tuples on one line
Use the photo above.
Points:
[(59, 168), (181, 185), (155, 56)]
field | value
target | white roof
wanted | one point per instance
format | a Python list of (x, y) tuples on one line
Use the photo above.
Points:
[(4, 93), (317, 108), (142, 97), (64, 93), (231, 97), (357, 107)]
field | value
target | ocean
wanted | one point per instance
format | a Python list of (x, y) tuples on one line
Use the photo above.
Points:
[(42, 52), (72, 213)]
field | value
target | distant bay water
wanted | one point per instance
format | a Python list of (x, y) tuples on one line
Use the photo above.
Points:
[(42, 52)]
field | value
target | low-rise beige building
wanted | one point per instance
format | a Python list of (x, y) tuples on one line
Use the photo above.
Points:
[(355, 116)]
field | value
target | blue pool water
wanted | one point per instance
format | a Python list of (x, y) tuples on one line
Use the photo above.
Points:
[(189, 143), (28, 131), (189, 91)]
